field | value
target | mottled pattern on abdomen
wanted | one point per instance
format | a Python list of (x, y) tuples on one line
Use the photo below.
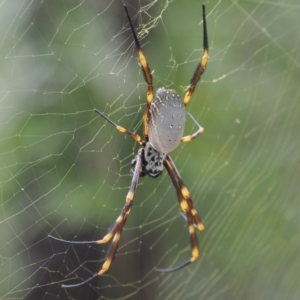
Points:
[(166, 120)]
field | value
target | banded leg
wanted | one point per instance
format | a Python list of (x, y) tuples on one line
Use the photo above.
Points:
[(147, 74), (202, 65), (120, 128), (188, 208), (121, 220), (194, 135), (179, 185), (115, 230)]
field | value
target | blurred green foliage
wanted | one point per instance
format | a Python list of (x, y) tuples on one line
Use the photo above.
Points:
[(66, 172)]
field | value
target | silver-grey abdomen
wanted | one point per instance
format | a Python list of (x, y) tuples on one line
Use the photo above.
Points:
[(166, 120)]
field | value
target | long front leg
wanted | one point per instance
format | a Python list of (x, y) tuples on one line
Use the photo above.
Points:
[(115, 231), (188, 208), (121, 220), (182, 190)]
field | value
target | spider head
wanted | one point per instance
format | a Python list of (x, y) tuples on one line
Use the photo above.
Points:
[(152, 161)]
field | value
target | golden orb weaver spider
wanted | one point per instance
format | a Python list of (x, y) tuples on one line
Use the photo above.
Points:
[(164, 121)]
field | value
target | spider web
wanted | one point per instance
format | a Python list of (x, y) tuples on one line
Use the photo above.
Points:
[(65, 171)]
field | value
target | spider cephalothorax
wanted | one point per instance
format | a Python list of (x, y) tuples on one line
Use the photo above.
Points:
[(164, 121), (152, 161)]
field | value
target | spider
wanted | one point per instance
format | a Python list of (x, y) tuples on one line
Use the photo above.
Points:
[(163, 127)]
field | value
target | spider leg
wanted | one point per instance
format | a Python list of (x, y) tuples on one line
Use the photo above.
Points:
[(194, 135), (185, 219), (120, 128), (111, 232), (202, 65), (182, 191), (71, 242), (147, 74), (189, 210), (121, 220), (116, 229)]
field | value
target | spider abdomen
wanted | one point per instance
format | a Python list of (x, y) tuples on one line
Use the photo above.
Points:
[(166, 120)]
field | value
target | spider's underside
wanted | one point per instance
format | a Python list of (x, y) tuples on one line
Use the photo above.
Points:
[(164, 121)]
